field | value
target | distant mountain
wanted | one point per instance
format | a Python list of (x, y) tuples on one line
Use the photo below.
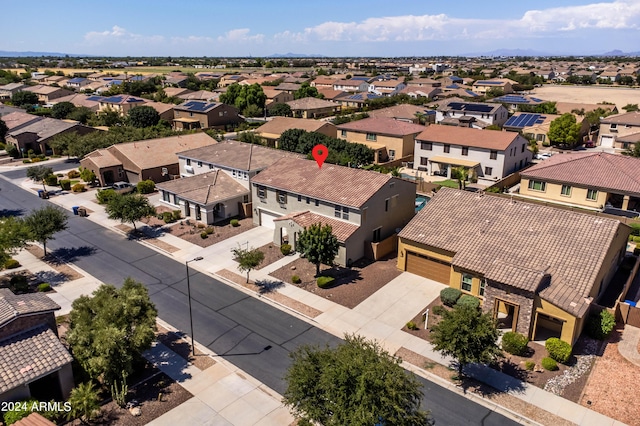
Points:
[(512, 52), (294, 55), (9, 54), (617, 52)]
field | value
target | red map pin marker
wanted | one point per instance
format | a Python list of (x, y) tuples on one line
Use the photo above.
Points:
[(320, 153)]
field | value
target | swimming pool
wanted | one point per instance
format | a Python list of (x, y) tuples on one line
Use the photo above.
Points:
[(421, 201)]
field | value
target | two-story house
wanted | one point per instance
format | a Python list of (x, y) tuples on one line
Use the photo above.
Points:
[(504, 84), (271, 131), (389, 138), (621, 126), (351, 85), (386, 87), (313, 108), (485, 114), (120, 103), (47, 93), (364, 208), (204, 115), (489, 154)]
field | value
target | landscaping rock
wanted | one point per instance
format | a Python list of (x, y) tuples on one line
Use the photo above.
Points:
[(135, 411), (293, 268)]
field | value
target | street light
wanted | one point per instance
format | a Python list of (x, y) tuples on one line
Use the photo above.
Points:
[(186, 263)]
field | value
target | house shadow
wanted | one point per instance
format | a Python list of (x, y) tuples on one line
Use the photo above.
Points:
[(489, 381), (147, 232), (52, 277), (268, 286), (66, 254), (11, 212), (342, 276)]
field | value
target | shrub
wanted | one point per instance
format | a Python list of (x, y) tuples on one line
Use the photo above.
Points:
[(177, 214), (529, 365), (201, 226), (558, 349), (325, 282), (636, 239), (26, 161), (450, 296), (78, 187), (19, 283), (635, 229), (22, 410), (43, 287), (146, 186), (412, 325), (209, 230), (204, 235), (105, 195), (51, 180), (65, 184), (73, 174), (438, 310), (87, 175), (514, 343), (285, 249), (296, 279), (600, 326), (549, 364), (11, 264), (234, 222), (468, 300), (167, 217)]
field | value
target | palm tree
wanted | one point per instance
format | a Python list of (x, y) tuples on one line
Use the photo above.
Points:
[(461, 174)]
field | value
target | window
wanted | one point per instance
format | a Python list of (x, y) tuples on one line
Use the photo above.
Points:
[(465, 150), (308, 200), (386, 205), (424, 161), (392, 154), (372, 137), (245, 198), (614, 127), (592, 194), (188, 161), (199, 163), (343, 133), (427, 146), (493, 154), (317, 203), (176, 200), (338, 211), (488, 171), (483, 284), (210, 166), (376, 235), (234, 173), (537, 185), (262, 192), (345, 213), (282, 197), (165, 196), (467, 280), (446, 148), (299, 198), (523, 146)]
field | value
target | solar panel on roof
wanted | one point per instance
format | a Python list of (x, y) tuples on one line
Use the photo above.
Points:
[(488, 82), (524, 120)]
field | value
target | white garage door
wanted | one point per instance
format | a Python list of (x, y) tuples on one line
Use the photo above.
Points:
[(606, 141), (266, 219)]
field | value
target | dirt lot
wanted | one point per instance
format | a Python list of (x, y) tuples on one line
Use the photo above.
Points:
[(590, 95), (352, 286)]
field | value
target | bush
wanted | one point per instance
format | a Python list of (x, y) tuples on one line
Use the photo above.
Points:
[(26, 161), (600, 326), (65, 184), (87, 175), (514, 343), (549, 364), (22, 410), (450, 296), (296, 279), (51, 180), (43, 287), (105, 195), (468, 300), (529, 365), (78, 187), (438, 310), (176, 214), (73, 174), (11, 264), (201, 226), (285, 249), (635, 229), (325, 282), (558, 349), (19, 283), (234, 222), (636, 239), (167, 217), (412, 325), (146, 186), (204, 235), (209, 230)]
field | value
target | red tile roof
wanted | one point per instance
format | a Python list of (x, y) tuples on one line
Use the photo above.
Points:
[(489, 139), (382, 126)]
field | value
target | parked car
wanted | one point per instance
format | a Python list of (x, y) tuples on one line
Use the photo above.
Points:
[(543, 155), (589, 144), (122, 187)]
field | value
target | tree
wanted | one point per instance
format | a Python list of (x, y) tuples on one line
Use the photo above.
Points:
[(318, 245), (633, 151), (247, 259), (357, 383), (14, 234), (62, 110), (467, 335), (129, 208), (24, 98), (627, 107), (282, 110), (110, 329), (81, 114), (4, 129), (87, 175), (243, 96), (307, 91), (85, 403), (143, 116), (61, 142), (564, 130), (39, 174), (44, 223), (461, 174)]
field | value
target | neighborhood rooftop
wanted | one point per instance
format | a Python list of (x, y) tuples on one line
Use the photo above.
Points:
[(488, 139), (280, 124), (205, 188), (12, 306), (383, 126)]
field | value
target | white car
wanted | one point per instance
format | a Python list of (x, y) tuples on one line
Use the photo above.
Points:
[(543, 155)]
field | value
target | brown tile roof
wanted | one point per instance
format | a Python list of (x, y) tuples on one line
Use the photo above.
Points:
[(280, 124), (206, 188), (311, 103), (335, 184), (176, 91), (565, 107), (481, 229), (402, 111), (516, 276), (46, 128), (12, 306), (631, 118), (16, 120), (34, 419), (200, 95), (382, 126), (103, 158), (341, 229), (29, 355), (236, 155), (632, 138), (489, 139), (598, 170), (78, 100), (329, 93)]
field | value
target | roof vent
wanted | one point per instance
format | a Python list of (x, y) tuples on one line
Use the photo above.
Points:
[(573, 304)]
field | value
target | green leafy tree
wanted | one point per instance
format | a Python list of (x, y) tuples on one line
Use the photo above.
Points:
[(62, 110), (129, 208), (593, 117), (39, 174), (85, 403), (307, 91), (461, 174), (81, 114), (143, 116), (61, 142), (4, 129), (110, 329), (564, 130), (87, 175), (23, 98), (241, 96), (467, 335), (14, 234), (627, 107), (247, 259), (357, 383), (107, 117), (318, 245), (633, 151), (44, 223)]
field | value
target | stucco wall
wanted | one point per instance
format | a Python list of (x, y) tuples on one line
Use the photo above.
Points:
[(553, 192)]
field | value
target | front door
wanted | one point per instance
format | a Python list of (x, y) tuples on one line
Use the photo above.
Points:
[(506, 314), (187, 209)]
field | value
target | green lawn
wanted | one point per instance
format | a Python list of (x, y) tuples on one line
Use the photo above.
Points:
[(449, 183)]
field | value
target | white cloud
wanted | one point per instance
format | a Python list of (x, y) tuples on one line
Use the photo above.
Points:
[(119, 35), (241, 35)]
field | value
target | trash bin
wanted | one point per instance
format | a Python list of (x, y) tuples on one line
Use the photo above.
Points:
[(40, 193), (82, 212), (75, 210)]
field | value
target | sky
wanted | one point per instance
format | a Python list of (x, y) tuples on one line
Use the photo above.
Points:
[(333, 28)]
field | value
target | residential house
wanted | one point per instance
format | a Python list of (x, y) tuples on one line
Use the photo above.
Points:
[(200, 95), (165, 111), (330, 94), (356, 101), (154, 159), (19, 118), (322, 82), (426, 83), (389, 138), (46, 94), (271, 131), (78, 82), (120, 103), (517, 258), (504, 84), (275, 96), (406, 112), (609, 76), (175, 79), (485, 114), (582, 109), (488, 154), (616, 126), (205, 115), (611, 180), (6, 110), (364, 208), (290, 88), (386, 87), (54, 79), (80, 100), (313, 108), (421, 92), (536, 126), (351, 85), (35, 364), (37, 134), (8, 90), (172, 92), (514, 101), (228, 80)]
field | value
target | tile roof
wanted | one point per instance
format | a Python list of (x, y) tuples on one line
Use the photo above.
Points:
[(34, 419), (123, 99), (341, 229), (516, 276), (79, 100), (103, 158), (402, 111), (281, 124), (206, 188), (631, 118), (30, 355), (481, 229), (489, 139), (564, 107), (311, 103), (611, 172), (335, 184), (197, 106), (632, 138), (45, 128), (383, 126), (12, 306), (16, 120)]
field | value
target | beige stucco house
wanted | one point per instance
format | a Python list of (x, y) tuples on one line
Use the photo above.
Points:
[(271, 131), (620, 126)]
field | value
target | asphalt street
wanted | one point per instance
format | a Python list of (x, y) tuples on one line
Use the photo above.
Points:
[(252, 335)]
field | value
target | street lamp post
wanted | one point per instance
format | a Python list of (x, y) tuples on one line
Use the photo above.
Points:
[(186, 263)]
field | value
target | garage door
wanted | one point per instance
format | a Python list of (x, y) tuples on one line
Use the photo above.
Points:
[(428, 267), (606, 141), (266, 219)]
